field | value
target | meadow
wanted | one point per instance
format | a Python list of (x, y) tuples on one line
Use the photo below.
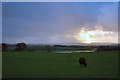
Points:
[(43, 64)]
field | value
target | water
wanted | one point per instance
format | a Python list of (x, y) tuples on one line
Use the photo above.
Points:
[(75, 51)]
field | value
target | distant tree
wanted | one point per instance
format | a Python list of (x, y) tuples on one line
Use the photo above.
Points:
[(0, 47), (49, 48), (21, 47), (4, 47), (30, 49)]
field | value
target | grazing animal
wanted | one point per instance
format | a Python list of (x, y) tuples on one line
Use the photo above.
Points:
[(82, 62)]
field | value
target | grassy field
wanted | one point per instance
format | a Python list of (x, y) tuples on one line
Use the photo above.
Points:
[(54, 65)]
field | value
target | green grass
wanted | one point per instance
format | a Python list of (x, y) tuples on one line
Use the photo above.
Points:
[(52, 65)]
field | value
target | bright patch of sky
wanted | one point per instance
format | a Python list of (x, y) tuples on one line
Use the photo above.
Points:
[(57, 22)]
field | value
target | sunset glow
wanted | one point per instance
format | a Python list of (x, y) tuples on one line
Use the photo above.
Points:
[(96, 35), (60, 23)]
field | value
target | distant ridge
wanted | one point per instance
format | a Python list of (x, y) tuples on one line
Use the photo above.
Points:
[(79, 44)]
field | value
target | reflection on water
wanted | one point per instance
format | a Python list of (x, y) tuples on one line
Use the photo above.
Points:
[(75, 51)]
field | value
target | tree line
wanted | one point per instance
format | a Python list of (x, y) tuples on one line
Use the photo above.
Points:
[(24, 47), (21, 47)]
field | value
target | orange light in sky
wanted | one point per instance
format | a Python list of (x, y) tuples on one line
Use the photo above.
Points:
[(97, 35)]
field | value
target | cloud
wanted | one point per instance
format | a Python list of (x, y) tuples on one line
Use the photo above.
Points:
[(109, 17), (97, 35), (54, 22), (0, 22)]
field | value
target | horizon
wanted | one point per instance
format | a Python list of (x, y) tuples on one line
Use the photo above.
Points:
[(68, 44)]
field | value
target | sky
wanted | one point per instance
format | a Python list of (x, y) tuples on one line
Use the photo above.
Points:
[(1, 22), (60, 22)]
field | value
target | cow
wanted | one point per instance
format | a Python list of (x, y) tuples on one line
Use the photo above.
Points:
[(82, 62)]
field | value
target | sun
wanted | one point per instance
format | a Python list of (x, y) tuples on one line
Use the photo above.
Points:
[(96, 35), (86, 36)]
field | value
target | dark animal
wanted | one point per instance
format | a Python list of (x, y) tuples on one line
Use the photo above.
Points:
[(82, 62)]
